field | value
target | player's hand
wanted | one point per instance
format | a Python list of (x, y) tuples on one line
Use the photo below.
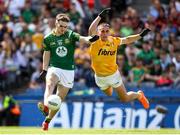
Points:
[(144, 32), (42, 75), (105, 12), (94, 38)]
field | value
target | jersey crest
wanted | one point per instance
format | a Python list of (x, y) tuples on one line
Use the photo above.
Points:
[(61, 51)]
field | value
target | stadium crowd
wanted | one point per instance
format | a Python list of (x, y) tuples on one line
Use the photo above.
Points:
[(155, 60)]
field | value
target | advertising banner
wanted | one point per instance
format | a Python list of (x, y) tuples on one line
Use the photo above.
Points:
[(104, 115)]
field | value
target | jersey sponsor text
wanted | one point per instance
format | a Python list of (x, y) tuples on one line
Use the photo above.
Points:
[(105, 52)]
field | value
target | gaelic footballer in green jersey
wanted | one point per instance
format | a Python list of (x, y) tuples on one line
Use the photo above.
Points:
[(62, 49), (58, 63)]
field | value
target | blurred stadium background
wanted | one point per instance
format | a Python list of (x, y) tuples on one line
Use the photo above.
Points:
[(151, 64)]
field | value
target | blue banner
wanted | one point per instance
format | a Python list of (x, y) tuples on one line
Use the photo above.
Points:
[(104, 115)]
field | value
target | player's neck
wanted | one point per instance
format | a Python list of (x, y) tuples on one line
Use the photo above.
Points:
[(104, 39), (57, 32)]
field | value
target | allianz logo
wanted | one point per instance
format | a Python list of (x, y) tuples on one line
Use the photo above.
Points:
[(105, 52), (100, 115)]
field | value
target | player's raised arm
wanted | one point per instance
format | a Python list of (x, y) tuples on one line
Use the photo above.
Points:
[(133, 38), (94, 24)]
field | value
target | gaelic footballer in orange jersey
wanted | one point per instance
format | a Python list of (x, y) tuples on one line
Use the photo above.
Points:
[(103, 56)]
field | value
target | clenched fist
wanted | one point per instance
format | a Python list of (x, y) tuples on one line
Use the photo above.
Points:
[(42, 75), (105, 12)]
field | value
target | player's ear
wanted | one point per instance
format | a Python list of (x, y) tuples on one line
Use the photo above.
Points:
[(56, 22)]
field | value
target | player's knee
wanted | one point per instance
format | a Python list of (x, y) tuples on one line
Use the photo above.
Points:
[(109, 94), (108, 91), (50, 85), (62, 97)]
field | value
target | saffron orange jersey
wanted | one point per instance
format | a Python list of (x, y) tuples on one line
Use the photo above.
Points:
[(103, 56)]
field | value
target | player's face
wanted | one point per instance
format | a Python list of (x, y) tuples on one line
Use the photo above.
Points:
[(103, 32), (61, 26)]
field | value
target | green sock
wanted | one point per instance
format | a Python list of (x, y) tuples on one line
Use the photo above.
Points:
[(47, 119)]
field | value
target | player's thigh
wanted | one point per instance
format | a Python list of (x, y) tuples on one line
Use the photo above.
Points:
[(115, 80), (66, 78), (62, 91), (52, 76), (121, 92), (101, 82), (52, 79)]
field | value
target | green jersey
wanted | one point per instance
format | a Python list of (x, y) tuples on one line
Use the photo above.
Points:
[(62, 49), (138, 73)]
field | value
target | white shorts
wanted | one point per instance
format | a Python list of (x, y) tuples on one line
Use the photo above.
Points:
[(66, 77), (113, 80)]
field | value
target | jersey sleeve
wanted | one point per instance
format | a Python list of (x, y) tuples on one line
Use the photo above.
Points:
[(46, 46), (117, 41), (75, 36)]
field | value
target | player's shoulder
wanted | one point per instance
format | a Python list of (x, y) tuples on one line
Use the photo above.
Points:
[(49, 35), (71, 33), (115, 38)]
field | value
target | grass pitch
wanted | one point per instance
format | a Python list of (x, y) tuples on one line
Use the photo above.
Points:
[(56, 131)]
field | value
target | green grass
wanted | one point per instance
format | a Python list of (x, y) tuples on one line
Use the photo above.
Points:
[(31, 130)]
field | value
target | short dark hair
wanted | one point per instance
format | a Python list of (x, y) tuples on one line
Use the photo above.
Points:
[(104, 24), (62, 17)]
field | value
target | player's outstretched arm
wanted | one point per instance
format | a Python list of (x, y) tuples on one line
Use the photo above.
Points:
[(89, 39), (133, 38), (94, 24)]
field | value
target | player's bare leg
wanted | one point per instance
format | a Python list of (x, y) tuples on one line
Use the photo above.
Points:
[(61, 92), (108, 91), (51, 82), (130, 96)]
